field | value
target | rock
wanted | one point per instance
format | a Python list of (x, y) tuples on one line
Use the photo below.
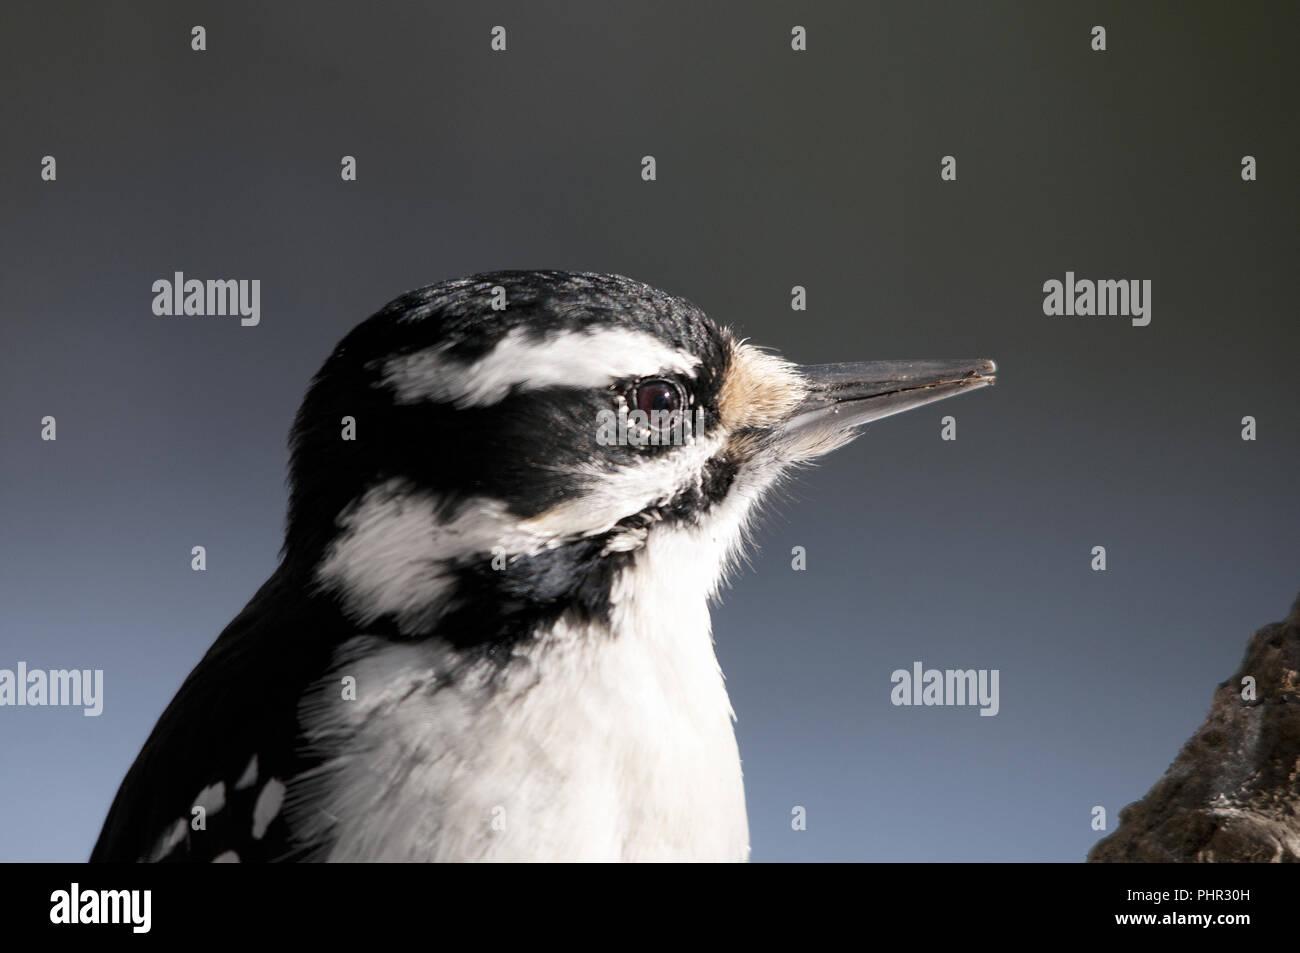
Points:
[(1233, 792)]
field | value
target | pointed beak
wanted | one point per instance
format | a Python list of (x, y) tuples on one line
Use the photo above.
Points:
[(844, 396)]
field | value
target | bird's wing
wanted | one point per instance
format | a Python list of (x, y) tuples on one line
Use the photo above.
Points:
[(228, 743)]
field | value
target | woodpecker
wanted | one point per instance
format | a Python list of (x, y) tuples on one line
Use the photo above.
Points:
[(488, 635)]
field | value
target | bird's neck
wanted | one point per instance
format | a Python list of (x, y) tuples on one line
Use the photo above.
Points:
[(591, 741), (407, 563)]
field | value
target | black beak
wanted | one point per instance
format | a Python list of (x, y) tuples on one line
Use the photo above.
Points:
[(843, 396)]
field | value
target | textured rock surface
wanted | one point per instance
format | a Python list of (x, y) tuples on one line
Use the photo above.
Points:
[(1233, 793)]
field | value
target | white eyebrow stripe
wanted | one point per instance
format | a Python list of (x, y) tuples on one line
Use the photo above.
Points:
[(589, 358)]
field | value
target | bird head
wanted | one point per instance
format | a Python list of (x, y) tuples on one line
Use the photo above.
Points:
[(520, 441)]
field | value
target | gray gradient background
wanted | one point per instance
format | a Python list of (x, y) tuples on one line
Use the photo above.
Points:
[(775, 168)]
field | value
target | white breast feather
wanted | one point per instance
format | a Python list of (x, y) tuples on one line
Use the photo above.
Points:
[(587, 746)]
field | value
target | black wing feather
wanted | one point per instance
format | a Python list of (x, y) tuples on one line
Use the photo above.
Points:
[(240, 701)]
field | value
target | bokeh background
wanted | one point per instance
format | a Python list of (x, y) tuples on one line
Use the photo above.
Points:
[(775, 168)]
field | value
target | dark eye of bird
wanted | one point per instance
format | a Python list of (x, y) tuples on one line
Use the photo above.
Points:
[(656, 394)]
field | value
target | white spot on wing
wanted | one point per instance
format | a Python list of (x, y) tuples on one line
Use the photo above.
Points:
[(169, 839), (249, 777), (212, 798), (267, 807)]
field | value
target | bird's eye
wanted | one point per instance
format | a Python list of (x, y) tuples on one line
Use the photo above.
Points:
[(654, 394)]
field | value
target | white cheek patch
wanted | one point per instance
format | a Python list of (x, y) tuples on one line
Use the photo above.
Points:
[(396, 550), (610, 497), (592, 358)]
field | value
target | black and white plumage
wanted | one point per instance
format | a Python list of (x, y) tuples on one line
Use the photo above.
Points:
[(522, 608)]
